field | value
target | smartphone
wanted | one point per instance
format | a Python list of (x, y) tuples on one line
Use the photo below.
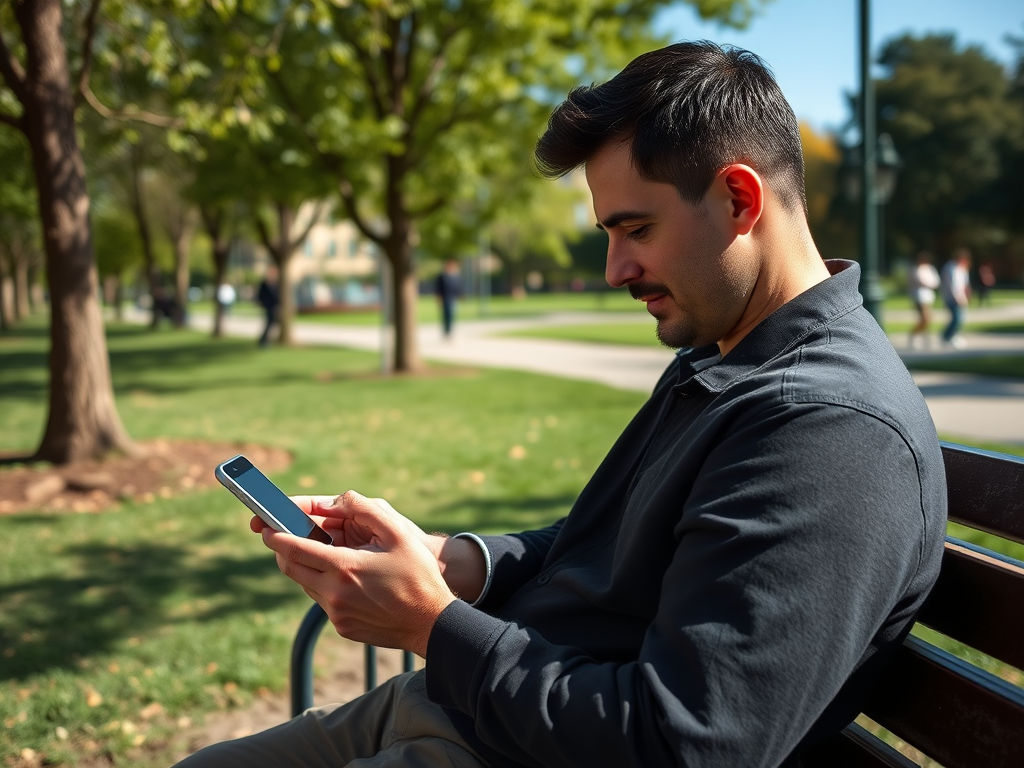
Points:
[(267, 501)]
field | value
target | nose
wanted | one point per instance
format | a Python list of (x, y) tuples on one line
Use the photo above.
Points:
[(620, 268)]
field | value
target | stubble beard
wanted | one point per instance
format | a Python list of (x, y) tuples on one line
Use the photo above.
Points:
[(677, 335)]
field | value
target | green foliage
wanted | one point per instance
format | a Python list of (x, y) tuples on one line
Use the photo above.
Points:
[(948, 111)]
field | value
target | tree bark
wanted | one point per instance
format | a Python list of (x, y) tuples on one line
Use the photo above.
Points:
[(182, 241), (405, 285), (152, 273), (282, 255), (82, 421), (214, 223), (6, 315), (21, 307)]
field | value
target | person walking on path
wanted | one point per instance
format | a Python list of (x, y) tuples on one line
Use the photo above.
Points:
[(269, 297), (448, 288), (922, 284), (986, 282), (956, 293)]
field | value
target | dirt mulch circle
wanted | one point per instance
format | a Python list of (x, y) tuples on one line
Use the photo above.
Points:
[(160, 468)]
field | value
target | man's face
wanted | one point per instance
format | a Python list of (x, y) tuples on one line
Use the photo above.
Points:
[(676, 257)]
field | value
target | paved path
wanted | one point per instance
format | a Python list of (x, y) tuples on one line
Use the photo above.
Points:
[(965, 407)]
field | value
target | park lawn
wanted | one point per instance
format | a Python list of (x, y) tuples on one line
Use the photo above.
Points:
[(629, 333), (498, 307), (1011, 366), (175, 602)]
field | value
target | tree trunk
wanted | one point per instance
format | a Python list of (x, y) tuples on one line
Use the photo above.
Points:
[(6, 298), (404, 286), (213, 221), (83, 421), (404, 298), (282, 253), (152, 274), (182, 241), (21, 308)]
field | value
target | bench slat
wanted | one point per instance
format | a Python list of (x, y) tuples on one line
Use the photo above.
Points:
[(855, 747), (985, 490), (955, 713), (977, 601)]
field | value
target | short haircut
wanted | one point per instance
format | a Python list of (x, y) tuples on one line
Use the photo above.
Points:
[(688, 111)]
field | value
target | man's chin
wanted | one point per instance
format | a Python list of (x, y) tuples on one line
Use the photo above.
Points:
[(676, 335)]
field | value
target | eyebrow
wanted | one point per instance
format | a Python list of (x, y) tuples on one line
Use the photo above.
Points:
[(617, 218)]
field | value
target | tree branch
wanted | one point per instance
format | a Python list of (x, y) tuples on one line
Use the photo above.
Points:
[(309, 227), (425, 210), (265, 234), (90, 37), (349, 201), (426, 88), (12, 71), (367, 63), (130, 112)]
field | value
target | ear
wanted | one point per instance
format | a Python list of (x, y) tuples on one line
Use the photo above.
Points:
[(745, 193)]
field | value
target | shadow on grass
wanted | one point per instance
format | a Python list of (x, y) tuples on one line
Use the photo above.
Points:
[(50, 622), (506, 514)]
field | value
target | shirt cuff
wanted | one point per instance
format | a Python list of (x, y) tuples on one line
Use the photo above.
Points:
[(487, 564)]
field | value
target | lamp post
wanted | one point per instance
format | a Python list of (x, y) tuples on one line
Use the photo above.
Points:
[(887, 166), (871, 166), (869, 285)]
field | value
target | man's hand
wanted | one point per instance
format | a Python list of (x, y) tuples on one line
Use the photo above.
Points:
[(381, 583)]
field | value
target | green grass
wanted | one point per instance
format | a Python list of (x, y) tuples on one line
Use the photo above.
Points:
[(176, 602), (1011, 366), (497, 307), (629, 333)]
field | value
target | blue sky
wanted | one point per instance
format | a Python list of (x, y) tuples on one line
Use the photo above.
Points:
[(811, 45)]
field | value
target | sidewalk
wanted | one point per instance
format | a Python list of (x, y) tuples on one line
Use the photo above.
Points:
[(965, 407)]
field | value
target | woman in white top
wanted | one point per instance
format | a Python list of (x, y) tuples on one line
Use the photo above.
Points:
[(924, 280)]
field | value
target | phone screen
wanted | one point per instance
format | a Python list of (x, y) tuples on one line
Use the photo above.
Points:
[(257, 485)]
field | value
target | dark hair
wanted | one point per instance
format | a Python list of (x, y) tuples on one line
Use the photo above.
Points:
[(688, 110)]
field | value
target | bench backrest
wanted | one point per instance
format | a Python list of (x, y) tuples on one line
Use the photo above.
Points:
[(955, 711)]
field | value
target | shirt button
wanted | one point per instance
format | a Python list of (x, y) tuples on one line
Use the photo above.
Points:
[(542, 580)]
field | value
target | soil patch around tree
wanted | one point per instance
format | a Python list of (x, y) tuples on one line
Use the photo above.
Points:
[(160, 468)]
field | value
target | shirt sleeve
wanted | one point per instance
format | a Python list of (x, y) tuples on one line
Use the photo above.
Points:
[(515, 559), (797, 546)]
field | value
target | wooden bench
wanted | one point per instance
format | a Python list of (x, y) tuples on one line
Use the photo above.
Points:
[(954, 711)]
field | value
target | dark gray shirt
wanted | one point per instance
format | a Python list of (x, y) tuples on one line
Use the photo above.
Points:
[(728, 584)]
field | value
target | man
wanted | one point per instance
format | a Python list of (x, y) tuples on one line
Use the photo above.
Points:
[(755, 545), (448, 288), (956, 293), (269, 297)]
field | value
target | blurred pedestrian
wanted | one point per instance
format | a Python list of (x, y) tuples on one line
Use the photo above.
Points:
[(448, 288), (269, 297), (956, 292), (922, 283), (986, 282)]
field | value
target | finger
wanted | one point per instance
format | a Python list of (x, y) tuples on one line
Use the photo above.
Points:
[(388, 526), (301, 574), (311, 554), (314, 505)]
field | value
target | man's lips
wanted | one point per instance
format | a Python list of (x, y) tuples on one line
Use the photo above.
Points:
[(649, 293)]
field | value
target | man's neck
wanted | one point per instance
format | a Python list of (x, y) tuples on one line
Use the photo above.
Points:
[(790, 265)]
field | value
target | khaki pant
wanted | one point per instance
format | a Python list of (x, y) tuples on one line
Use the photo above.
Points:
[(395, 725)]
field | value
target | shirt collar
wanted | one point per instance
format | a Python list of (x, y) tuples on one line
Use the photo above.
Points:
[(782, 330)]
